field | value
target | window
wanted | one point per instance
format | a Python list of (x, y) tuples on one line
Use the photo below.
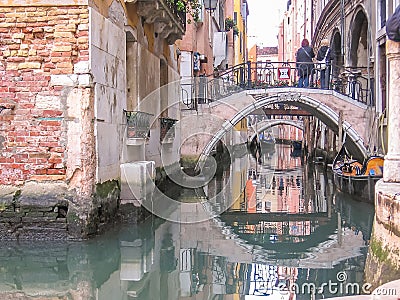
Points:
[(382, 8)]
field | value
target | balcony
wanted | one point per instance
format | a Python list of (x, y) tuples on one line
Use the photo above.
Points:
[(138, 126), (169, 22), (167, 130)]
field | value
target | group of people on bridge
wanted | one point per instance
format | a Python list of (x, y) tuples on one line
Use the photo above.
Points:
[(305, 63)]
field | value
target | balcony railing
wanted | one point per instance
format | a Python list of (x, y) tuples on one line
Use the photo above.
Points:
[(138, 124), (353, 82), (167, 130)]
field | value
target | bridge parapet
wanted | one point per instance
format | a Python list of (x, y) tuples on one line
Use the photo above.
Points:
[(355, 83)]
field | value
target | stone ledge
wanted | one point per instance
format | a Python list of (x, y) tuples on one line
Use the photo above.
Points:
[(44, 194), (7, 193), (387, 205)]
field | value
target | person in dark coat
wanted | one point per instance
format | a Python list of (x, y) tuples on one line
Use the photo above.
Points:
[(304, 63), (324, 55), (393, 26)]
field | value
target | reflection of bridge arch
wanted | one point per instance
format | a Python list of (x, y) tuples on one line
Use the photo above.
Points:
[(322, 111), (324, 226), (261, 126), (324, 237)]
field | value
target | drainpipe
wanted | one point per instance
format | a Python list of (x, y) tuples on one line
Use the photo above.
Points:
[(369, 44), (283, 39), (305, 18), (312, 18), (342, 28)]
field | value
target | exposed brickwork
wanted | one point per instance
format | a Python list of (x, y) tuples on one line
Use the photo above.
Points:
[(35, 43)]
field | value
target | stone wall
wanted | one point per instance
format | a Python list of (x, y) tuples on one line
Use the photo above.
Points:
[(62, 99), (383, 260), (48, 154), (46, 130), (38, 45)]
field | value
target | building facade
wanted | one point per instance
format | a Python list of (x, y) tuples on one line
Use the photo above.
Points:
[(356, 33), (80, 93)]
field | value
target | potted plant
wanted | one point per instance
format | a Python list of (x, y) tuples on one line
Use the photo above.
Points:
[(192, 7), (235, 30), (229, 23)]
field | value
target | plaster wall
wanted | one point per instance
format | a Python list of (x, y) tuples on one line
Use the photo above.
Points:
[(107, 64), (164, 154)]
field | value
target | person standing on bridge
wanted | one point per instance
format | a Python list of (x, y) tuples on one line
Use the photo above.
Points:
[(304, 63), (324, 59)]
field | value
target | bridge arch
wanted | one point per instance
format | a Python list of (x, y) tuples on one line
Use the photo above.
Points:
[(354, 142), (274, 122)]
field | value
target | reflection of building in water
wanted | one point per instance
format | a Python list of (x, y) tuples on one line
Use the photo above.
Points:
[(250, 195), (270, 280), (227, 190), (288, 132), (285, 160)]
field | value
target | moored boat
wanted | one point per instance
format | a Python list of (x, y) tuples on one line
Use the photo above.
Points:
[(357, 178)]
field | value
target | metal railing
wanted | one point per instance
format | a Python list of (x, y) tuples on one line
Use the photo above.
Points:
[(167, 130), (138, 124), (353, 82)]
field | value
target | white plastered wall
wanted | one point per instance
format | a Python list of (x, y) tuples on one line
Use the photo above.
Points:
[(107, 49)]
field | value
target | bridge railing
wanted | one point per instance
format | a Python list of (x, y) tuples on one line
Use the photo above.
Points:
[(350, 81)]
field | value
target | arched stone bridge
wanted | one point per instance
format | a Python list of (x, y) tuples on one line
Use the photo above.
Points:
[(262, 125), (215, 120)]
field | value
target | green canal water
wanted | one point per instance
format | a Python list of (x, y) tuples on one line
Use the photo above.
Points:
[(280, 231)]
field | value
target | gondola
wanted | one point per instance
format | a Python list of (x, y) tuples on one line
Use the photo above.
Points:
[(355, 178)]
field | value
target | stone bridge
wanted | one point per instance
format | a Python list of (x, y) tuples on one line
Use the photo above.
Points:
[(216, 120), (265, 124)]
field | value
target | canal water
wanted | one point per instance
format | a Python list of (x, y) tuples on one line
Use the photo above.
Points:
[(280, 231)]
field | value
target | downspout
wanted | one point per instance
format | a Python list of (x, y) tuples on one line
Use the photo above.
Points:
[(283, 40), (369, 43), (305, 19), (342, 29), (312, 18)]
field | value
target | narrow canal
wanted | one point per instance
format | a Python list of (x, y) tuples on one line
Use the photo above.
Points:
[(282, 231)]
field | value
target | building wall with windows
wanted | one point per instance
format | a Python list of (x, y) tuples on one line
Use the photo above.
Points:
[(241, 12), (356, 32)]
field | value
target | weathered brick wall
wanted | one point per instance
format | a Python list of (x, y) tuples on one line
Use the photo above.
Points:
[(37, 43)]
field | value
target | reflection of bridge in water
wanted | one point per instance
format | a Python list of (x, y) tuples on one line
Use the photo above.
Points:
[(293, 218), (322, 248), (254, 218)]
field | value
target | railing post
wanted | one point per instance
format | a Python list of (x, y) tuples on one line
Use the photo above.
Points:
[(328, 76), (241, 76), (249, 74), (371, 91)]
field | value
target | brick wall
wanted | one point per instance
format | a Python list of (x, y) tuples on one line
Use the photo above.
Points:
[(36, 43)]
